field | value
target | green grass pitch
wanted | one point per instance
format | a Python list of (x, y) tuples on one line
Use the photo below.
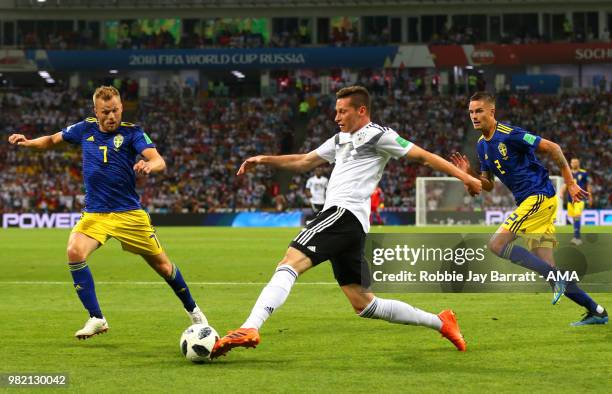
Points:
[(314, 343)]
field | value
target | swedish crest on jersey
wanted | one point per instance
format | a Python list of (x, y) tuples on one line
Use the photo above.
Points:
[(503, 150), (118, 141)]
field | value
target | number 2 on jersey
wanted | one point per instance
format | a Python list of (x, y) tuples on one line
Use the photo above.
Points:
[(104, 149), (499, 167)]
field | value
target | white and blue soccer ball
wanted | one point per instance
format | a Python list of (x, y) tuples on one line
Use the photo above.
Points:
[(197, 342)]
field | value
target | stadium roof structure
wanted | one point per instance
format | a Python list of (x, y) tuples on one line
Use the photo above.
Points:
[(277, 3), (136, 9), (291, 4)]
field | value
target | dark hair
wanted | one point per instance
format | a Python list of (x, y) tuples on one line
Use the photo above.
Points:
[(483, 96), (358, 94)]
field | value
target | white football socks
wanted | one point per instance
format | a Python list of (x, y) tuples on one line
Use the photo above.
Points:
[(272, 296), (395, 311)]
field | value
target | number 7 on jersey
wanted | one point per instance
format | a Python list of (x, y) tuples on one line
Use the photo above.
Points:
[(104, 150)]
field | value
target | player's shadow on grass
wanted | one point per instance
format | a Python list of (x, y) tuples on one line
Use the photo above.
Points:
[(440, 363), (97, 345), (228, 362)]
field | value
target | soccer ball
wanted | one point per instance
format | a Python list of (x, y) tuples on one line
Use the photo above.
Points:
[(197, 342)]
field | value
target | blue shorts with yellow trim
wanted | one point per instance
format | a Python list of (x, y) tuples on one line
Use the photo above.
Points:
[(132, 228), (574, 209), (534, 220)]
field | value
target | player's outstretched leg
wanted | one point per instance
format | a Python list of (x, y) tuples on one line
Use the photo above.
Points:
[(450, 329), (271, 298), (524, 258), (178, 284), (590, 318), (172, 275), (399, 312), (595, 313), (502, 245)]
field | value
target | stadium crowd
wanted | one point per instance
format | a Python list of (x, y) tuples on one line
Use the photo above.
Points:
[(203, 144), (436, 123), (132, 37), (220, 33), (581, 123), (204, 141)]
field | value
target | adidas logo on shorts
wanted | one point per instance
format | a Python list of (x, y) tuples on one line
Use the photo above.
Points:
[(312, 248)]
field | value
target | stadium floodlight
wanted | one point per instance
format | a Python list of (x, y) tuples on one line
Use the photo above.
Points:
[(50, 80), (238, 74), (44, 74), (41, 1), (113, 71)]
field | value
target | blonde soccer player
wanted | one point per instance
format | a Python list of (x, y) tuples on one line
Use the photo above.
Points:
[(112, 206)]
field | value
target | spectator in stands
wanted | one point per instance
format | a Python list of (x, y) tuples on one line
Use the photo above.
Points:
[(205, 139)]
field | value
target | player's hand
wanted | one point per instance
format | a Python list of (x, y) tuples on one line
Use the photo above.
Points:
[(142, 167), (460, 161), (473, 186), (248, 164), (18, 139), (577, 193)]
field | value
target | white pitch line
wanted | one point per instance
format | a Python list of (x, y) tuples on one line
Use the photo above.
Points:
[(160, 283)]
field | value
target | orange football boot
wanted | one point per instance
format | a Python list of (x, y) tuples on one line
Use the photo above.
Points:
[(450, 329), (242, 337)]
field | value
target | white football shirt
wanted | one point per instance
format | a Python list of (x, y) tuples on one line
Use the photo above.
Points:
[(317, 186), (360, 159)]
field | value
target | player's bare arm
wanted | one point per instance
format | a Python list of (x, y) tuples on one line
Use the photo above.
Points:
[(461, 161), (153, 163), (296, 163), (556, 154), (436, 162), (44, 142)]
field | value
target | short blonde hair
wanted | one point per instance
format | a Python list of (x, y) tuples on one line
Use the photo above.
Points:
[(105, 93)]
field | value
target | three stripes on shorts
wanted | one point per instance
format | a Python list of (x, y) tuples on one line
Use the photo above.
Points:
[(306, 234)]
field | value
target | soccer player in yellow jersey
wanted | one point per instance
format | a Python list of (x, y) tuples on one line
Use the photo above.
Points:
[(112, 207), (575, 208), (509, 153)]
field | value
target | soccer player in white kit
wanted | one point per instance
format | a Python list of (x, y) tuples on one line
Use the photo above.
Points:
[(360, 152), (316, 186)]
